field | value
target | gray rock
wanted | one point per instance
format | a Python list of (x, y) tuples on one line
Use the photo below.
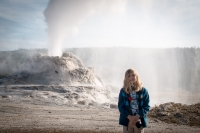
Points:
[(178, 115), (113, 106), (3, 80), (82, 102)]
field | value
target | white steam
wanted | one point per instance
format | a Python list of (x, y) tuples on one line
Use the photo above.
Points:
[(63, 17)]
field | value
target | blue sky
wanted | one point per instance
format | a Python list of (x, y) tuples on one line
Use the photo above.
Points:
[(142, 23), (22, 24)]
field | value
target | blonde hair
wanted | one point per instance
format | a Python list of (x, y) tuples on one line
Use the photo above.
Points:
[(137, 85)]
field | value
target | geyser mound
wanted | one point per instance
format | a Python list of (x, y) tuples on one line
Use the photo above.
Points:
[(42, 69), (46, 80)]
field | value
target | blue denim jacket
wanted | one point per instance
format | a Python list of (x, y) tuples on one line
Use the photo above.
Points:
[(124, 106)]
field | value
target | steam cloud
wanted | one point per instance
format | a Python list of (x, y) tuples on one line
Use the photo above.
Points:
[(63, 17)]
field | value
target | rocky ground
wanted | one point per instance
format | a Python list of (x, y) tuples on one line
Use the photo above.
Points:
[(177, 113), (36, 116), (18, 118)]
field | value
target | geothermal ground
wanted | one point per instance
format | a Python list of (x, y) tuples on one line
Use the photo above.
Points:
[(60, 94), (33, 109)]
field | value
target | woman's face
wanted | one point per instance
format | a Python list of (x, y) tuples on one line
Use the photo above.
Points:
[(132, 78)]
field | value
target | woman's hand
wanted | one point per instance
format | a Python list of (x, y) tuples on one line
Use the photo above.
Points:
[(133, 119), (137, 116)]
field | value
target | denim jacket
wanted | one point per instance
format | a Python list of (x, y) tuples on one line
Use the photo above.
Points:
[(124, 106)]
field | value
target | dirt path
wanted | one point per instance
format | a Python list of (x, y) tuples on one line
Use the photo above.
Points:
[(24, 116)]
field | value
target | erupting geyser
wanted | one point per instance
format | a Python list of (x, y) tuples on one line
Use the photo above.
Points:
[(63, 17)]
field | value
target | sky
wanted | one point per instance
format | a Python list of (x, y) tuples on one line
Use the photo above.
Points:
[(128, 23)]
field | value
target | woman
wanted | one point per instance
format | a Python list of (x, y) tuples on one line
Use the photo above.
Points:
[(133, 104)]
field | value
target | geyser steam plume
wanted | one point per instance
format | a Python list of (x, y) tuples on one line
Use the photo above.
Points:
[(63, 17)]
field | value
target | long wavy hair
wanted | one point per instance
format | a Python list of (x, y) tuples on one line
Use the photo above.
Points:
[(137, 85)]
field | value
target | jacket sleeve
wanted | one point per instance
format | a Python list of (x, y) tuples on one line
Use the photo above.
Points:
[(146, 104), (121, 104)]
